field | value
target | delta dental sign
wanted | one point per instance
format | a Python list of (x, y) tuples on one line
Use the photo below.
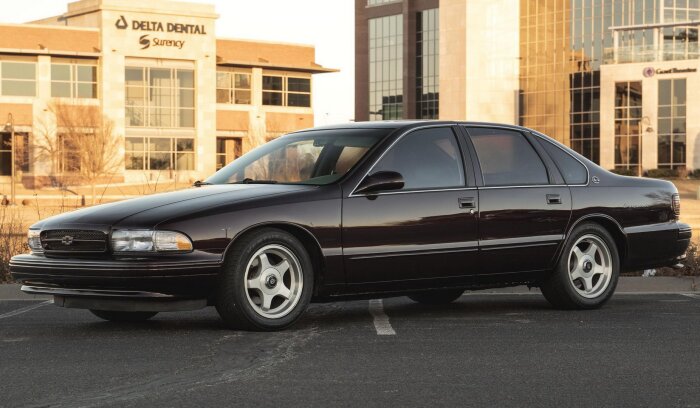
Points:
[(148, 40)]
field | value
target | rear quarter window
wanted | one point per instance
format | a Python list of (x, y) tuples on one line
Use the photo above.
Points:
[(571, 169)]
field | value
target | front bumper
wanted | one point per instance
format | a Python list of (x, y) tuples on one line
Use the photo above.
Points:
[(128, 279)]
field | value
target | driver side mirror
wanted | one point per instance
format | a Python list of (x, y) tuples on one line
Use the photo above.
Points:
[(380, 181)]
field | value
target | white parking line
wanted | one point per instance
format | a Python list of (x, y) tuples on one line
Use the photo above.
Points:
[(691, 295), (381, 320), (24, 309)]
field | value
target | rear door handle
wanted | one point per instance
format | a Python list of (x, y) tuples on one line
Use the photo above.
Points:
[(467, 202), (553, 199)]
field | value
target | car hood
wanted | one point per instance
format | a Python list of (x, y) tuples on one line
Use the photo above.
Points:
[(162, 205)]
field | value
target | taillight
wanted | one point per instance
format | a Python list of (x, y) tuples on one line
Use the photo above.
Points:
[(676, 203)]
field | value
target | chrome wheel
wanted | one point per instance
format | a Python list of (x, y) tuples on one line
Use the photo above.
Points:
[(590, 266), (273, 281)]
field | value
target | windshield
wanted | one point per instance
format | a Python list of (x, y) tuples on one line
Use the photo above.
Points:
[(314, 157)]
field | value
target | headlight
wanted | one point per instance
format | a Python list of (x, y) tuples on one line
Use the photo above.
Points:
[(34, 240), (149, 241)]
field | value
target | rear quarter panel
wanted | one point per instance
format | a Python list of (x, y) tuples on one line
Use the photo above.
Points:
[(640, 207)]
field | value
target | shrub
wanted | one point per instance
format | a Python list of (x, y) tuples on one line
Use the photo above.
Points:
[(625, 172), (694, 174), (13, 239), (662, 173)]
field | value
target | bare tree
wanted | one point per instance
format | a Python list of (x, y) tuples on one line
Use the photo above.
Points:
[(83, 147)]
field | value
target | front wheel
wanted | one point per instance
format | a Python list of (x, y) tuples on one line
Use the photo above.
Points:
[(118, 316), (587, 272), (266, 283)]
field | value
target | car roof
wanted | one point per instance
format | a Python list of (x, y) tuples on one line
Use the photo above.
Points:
[(407, 124)]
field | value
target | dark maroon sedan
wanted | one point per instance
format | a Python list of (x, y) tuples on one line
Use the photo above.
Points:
[(424, 209)]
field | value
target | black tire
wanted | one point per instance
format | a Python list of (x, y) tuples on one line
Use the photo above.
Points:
[(436, 297), (233, 297), (118, 316), (559, 288)]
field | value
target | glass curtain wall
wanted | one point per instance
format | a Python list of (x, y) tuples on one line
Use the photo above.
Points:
[(386, 68), (427, 64), (562, 48)]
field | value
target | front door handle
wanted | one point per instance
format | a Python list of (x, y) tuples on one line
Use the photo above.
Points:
[(467, 202), (553, 199)]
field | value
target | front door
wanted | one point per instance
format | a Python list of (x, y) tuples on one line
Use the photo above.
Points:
[(427, 230), (523, 215)]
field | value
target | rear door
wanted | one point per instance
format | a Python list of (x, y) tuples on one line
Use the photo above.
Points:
[(523, 201)]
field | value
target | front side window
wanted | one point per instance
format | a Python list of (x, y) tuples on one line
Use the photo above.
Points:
[(315, 157), (426, 158), (159, 97), (17, 78), (286, 91), (73, 81), (507, 158)]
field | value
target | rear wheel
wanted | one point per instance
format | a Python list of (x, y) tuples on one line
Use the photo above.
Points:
[(266, 283), (587, 272), (118, 316), (436, 297)]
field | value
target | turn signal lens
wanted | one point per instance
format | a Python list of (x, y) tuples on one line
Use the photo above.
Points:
[(34, 241), (676, 203), (172, 241)]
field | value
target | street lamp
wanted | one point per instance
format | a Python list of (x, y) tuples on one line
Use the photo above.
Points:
[(10, 127)]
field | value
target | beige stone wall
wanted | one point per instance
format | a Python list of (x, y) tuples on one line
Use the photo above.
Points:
[(89, 29)]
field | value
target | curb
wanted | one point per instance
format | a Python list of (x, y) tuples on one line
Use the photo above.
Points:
[(626, 285)]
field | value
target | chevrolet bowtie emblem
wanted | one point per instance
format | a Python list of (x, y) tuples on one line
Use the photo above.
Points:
[(67, 240)]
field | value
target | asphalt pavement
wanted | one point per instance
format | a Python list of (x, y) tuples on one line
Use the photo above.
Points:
[(501, 349)]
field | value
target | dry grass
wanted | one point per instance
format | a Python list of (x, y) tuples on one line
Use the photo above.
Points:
[(13, 239)]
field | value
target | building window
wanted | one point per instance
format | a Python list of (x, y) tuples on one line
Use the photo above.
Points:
[(427, 63), (159, 153), (17, 78), (233, 87), (159, 97), (380, 2), (228, 149), (286, 91), (671, 123), (73, 81), (386, 68), (628, 116), (21, 152), (68, 155), (680, 43)]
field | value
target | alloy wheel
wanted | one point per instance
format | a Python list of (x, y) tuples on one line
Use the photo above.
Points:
[(273, 281), (590, 266)]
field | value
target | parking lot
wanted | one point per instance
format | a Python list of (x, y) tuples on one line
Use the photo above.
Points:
[(499, 349)]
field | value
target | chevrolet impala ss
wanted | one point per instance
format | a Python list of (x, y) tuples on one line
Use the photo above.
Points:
[(367, 210)]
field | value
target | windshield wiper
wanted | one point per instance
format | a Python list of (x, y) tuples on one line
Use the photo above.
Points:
[(254, 181), (200, 183)]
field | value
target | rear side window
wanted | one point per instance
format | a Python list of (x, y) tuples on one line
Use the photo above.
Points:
[(571, 169), (426, 158), (507, 158)]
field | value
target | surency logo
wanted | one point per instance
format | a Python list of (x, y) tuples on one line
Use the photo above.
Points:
[(121, 23), (145, 41)]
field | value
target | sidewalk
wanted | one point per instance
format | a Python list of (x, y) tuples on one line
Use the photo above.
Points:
[(626, 285)]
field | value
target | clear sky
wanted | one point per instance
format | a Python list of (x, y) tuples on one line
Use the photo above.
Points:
[(326, 24)]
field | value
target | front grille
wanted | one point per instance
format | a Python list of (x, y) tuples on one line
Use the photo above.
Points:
[(69, 241)]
